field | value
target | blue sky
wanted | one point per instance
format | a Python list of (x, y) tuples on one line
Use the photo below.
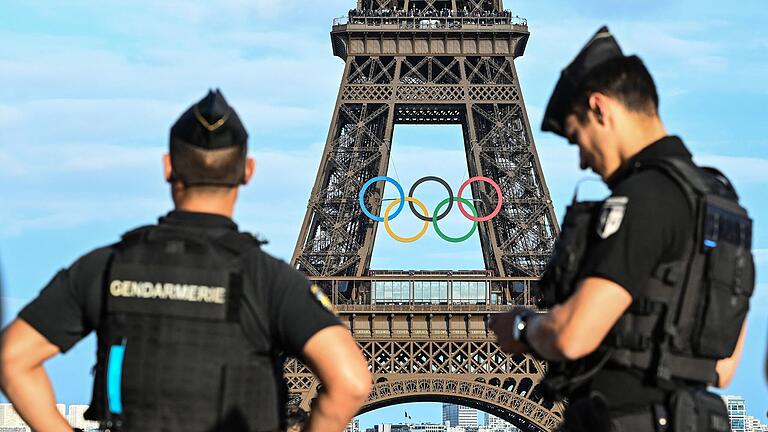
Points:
[(90, 88)]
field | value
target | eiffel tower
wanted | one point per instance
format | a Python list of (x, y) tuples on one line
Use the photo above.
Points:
[(431, 62)]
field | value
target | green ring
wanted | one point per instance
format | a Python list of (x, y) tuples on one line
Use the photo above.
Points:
[(437, 228)]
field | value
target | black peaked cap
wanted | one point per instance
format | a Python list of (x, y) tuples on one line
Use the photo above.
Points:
[(210, 124), (601, 48)]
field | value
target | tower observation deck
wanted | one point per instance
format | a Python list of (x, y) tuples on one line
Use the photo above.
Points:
[(452, 28)]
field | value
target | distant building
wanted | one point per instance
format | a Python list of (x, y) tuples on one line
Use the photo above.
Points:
[(388, 427), (460, 416), (10, 420), (754, 425), (427, 427), (353, 426), (413, 427), (737, 412), (495, 424), (77, 420)]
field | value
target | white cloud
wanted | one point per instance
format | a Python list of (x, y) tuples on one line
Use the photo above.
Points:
[(201, 12), (288, 43), (18, 217), (170, 73), (680, 50), (259, 116), (274, 201), (17, 162), (93, 121)]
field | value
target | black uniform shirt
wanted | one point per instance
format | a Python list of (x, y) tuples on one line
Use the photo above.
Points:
[(69, 308), (648, 224)]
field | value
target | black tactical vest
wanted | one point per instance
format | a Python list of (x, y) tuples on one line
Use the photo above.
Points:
[(691, 313), (172, 354)]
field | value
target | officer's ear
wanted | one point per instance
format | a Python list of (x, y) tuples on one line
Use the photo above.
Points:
[(167, 169), (250, 168), (598, 106)]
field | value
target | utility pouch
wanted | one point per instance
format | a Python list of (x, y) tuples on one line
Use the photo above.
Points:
[(728, 282), (587, 414), (696, 410), (559, 278)]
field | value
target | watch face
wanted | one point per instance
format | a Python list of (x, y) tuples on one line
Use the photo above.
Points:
[(519, 325)]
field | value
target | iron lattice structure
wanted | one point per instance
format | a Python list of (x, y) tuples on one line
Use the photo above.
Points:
[(431, 62)]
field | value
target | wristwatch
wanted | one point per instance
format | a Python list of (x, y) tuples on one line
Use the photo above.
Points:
[(520, 326)]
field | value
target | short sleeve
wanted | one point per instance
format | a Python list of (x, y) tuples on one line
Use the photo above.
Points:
[(296, 312), (644, 223), (69, 307)]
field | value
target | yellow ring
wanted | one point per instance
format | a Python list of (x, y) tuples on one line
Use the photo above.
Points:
[(406, 239)]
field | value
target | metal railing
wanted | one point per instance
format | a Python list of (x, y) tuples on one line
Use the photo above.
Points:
[(430, 22), (425, 291)]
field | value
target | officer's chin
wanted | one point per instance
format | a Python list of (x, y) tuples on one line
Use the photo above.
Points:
[(587, 167)]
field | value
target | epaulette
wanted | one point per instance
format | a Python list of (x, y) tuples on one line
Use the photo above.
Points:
[(136, 232)]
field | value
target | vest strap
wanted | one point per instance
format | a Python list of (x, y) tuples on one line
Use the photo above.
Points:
[(630, 341), (645, 306), (669, 365)]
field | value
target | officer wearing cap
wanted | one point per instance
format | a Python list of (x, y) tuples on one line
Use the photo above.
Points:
[(193, 319), (648, 290)]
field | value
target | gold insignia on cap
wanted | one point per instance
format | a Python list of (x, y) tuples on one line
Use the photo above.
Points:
[(211, 127), (603, 34), (322, 298)]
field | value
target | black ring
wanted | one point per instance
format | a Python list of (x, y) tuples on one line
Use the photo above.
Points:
[(442, 182)]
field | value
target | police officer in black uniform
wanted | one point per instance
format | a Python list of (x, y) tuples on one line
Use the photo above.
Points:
[(648, 290), (193, 318)]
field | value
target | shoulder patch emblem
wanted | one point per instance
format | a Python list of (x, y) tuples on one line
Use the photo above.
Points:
[(611, 216), (323, 299)]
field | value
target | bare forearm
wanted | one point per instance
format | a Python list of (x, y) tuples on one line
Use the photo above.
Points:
[(575, 328), (32, 396), (543, 333), (336, 360), (332, 413)]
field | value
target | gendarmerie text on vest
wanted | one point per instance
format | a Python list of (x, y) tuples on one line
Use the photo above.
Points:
[(168, 291)]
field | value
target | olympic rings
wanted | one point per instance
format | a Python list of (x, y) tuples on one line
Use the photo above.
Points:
[(442, 182), (498, 193), (372, 181), (424, 216), (454, 239), (397, 237)]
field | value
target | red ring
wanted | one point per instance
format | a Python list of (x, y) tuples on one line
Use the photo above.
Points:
[(495, 211)]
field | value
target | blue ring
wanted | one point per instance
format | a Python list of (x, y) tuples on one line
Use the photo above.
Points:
[(372, 181)]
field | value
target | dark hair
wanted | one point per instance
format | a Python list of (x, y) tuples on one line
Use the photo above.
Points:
[(194, 166), (295, 416), (626, 79)]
